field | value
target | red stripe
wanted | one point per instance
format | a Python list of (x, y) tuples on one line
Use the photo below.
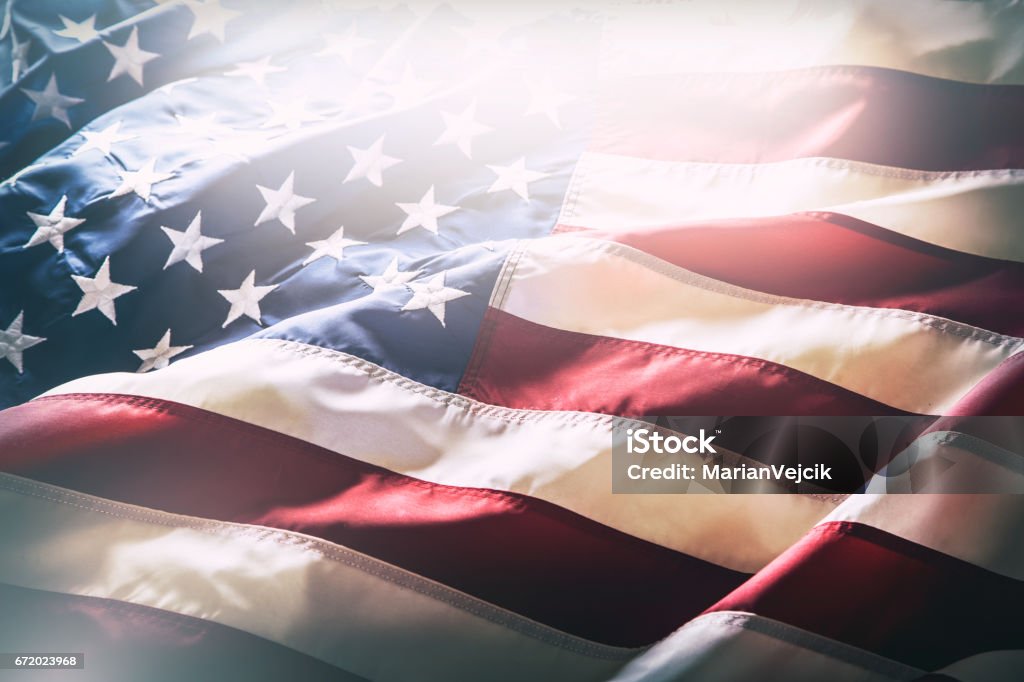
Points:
[(876, 115), (123, 641), (869, 588), (836, 258), (515, 551), (522, 364), (1001, 392)]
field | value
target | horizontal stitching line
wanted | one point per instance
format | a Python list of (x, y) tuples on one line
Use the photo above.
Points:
[(655, 264), (337, 554)]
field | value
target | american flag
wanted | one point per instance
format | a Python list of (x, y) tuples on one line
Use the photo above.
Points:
[(317, 320)]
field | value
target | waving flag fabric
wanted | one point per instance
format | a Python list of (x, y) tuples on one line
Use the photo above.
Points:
[(317, 322)]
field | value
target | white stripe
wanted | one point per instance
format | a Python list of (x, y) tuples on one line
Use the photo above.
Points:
[(350, 610), (363, 411), (972, 211), (727, 646), (969, 41), (990, 666), (984, 530), (911, 361)]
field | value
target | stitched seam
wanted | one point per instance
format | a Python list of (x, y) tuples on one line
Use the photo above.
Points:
[(981, 448), (809, 641), (513, 263), (878, 74), (334, 553), (468, 405), (575, 189), (281, 440), (941, 325), (583, 339), (471, 377), (878, 170), (516, 501)]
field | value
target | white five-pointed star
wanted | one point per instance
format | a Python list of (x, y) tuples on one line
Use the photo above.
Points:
[(408, 90), (13, 342), (291, 113), (51, 227), (129, 58), (201, 126), (390, 279), (209, 17), (433, 295), (49, 102), (102, 140), (370, 163), (82, 31), (282, 203), (256, 70), (245, 300), (460, 129), (516, 177), (333, 246), (141, 181), (159, 356), (344, 45), (100, 292), (545, 99), (424, 213), (189, 244)]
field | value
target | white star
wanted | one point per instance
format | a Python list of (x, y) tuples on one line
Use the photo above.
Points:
[(141, 181), (210, 17), (13, 342), (245, 300), (83, 31), (49, 102), (102, 140), (51, 228), (129, 58), (545, 99), (390, 279), (290, 113), (333, 246), (100, 292), (433, 295), (159, 356), (408, 90), (189, 244), (256, 70), (203, 126), (515, 177), (460, 129), (282, 203), (424, 213), (344, 45), (370, 163)]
